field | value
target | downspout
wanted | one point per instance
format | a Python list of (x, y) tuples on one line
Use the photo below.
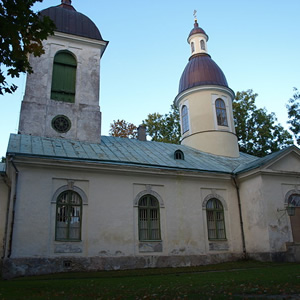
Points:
[(13, 209), (241, 216), (7, 214)]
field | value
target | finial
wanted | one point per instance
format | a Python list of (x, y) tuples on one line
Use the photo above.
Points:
[(195, 15)]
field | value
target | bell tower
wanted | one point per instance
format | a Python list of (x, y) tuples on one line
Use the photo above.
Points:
[(205, 102), (62, 94)]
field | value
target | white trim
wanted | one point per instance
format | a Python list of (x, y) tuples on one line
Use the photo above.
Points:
[(69, 187), (149, 191), (218, 88)]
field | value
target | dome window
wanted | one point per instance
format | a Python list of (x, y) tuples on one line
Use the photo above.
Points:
[(193, 47), (184, 119), (202, 45), (178, 155), (221, 113)]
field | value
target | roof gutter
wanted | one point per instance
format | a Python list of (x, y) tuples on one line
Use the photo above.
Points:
[(234, 178)]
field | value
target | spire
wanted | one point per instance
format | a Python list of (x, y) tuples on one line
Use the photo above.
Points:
[(195, 18)]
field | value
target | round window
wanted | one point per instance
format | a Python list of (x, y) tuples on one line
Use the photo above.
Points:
[(61, 124)]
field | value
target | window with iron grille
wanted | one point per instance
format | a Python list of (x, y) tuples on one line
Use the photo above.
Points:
[(221, 112), (215, 220), (149, 219), (184, 118), (68, 216), (64, 77)]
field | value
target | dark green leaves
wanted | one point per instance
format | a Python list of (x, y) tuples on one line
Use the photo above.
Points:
[(21, 33), (293, 108), (257, 130)]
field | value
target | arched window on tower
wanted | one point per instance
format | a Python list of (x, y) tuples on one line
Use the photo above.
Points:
[(202, 45), (64, 77), (193, 47), (184, 119), (221, 112)]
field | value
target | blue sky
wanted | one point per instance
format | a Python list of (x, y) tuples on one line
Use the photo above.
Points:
[(255, 42)]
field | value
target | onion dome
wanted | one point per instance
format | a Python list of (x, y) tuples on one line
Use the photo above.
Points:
[(201, 70), (196, 30), (68, 20)]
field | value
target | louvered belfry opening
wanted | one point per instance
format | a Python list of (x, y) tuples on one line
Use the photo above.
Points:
[(149, 219)]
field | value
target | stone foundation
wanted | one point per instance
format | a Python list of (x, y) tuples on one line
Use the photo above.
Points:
[(17, 267)]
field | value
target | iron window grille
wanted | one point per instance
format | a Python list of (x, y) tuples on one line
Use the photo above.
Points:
[(149, 219), (215, 220)]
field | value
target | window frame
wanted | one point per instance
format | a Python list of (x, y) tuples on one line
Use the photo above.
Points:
[(64, 73), (202, 45), (185, 119), (149, 227), (221, 112), (217, 208), (69, 207)]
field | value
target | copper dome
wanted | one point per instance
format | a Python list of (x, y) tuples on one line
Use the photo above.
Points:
[(196, 30), (201, 70), (68, 20)]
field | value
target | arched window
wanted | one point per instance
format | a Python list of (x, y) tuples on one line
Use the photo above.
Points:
[(178, 154), (294, 200), (215, 220), (193, 47), (221, 112), (202, 45), (68, 216), (149, 219), (184, 118), (64, 77)]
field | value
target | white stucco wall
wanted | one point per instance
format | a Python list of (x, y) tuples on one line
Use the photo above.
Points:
[(267, 224), (110, 218)]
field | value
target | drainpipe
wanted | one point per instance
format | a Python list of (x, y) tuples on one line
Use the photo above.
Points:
[(241, 216), (13, 209), (7, 182)]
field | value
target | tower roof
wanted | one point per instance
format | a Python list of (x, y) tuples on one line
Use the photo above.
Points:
[(68, 20), (201, 70), (196, 30)]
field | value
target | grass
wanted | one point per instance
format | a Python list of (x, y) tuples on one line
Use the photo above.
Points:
[(237, 280)]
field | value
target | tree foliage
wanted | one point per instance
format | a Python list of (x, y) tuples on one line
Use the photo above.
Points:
[(121, 128), (257, 130), (293, 108), (21, 32), (164, 128)]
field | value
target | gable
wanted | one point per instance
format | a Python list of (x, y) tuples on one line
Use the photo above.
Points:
[(287, 163)]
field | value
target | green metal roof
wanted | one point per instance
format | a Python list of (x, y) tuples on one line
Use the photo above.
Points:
[(124, 151)]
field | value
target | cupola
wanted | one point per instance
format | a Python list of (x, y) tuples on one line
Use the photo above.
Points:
[(205, 101)]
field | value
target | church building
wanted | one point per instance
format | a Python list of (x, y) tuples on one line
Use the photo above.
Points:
[(73, 200)]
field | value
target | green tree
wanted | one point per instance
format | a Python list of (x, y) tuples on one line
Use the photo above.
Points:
[(293, 108), (21, 32), (121, 128), (164, 128), (257, 130)]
